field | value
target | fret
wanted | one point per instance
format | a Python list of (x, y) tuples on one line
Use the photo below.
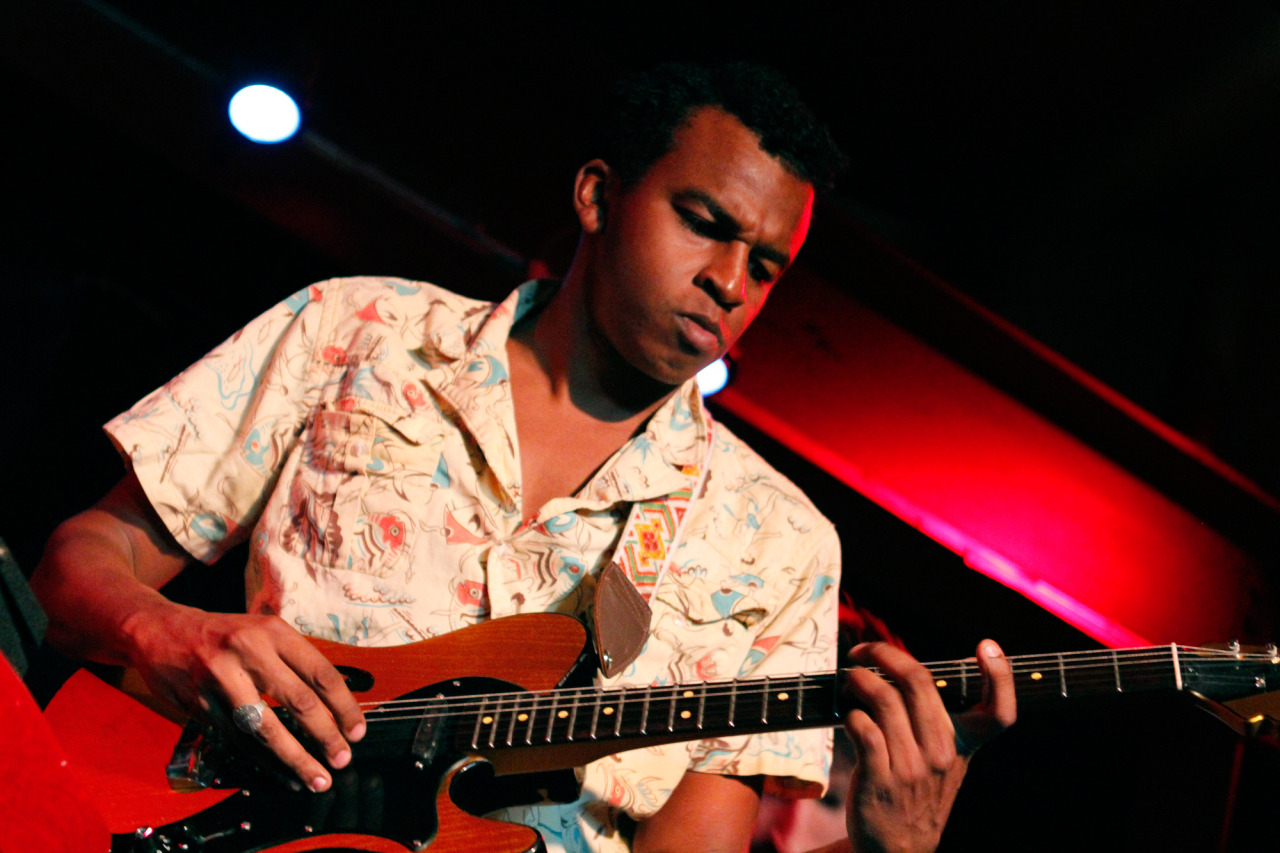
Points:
[(551, 715), (702, 703), (1062, 676), (572, 715), (495, 725), (733, 703), (1115, 667), (475, 734), (764, 703), (644, 713), (964, 684), (595, 717), (1177, 667), (671, 710), (511, 726), (622, 701), (533, 719)]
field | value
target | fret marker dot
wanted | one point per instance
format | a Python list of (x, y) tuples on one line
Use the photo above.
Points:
[(562, 714), (782, 697), (522, 717), (1035, 676), (941, 682), (487, 720), (688, 694), (608, 711), (684, 715)]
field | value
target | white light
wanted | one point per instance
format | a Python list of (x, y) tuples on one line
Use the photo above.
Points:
[(713, 377), (264, 113)]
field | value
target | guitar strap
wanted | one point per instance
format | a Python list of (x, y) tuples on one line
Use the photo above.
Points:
[(620, 611)]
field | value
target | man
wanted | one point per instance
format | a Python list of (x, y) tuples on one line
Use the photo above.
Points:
[(412, 462)]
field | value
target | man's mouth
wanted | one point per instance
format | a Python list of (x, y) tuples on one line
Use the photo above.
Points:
[(702, 332)]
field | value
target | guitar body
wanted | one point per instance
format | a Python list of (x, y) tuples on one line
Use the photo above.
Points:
[(119, 750), (42, 805)]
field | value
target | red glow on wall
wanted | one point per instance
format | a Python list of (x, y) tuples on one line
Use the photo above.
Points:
[(1021, 500)]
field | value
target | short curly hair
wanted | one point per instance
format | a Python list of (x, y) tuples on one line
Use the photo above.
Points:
[(644, 110)]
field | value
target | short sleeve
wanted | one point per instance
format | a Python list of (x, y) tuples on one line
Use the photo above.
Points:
[(208, 446), (801, 638)]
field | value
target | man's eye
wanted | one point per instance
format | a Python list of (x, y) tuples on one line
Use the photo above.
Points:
[(761, 273), (705, 227)]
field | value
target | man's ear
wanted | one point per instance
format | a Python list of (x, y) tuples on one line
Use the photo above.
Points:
[(590, 194)]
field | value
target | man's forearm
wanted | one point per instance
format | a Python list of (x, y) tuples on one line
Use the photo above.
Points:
[(88, 584)]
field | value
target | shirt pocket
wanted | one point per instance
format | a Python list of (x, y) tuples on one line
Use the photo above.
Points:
[(366, 480)]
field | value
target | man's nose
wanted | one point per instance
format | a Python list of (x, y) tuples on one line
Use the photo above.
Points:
[(725, 276)]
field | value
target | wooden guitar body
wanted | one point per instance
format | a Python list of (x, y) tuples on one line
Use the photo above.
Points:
[(119, 750)]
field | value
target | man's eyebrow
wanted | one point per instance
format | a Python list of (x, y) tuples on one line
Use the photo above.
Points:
[(725, 220)]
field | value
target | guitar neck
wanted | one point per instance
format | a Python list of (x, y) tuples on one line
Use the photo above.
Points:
[(749, 706)]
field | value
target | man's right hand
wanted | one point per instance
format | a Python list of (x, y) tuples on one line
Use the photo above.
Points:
[(98, 582), (208, 664)]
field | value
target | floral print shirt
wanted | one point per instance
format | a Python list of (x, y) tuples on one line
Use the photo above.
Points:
[(362, 434)]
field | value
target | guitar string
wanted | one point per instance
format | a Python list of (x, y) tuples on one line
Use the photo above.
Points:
[(506, 730), (715, 697), (743, 690), (1048, 665)]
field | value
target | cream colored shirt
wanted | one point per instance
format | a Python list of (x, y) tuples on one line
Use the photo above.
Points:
[(362, 433)]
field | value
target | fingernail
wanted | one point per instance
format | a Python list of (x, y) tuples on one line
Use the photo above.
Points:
[(341, 759), (990, 649), (319, 784), (357, 731)]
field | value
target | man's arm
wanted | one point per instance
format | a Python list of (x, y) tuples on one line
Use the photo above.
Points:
[(99, 581), (707, 813)]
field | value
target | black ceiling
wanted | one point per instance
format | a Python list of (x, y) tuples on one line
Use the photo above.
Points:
[(1101, 174)]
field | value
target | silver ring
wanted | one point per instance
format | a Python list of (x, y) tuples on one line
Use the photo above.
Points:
[(248, 718)]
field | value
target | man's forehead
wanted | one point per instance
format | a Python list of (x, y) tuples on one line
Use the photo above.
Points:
[(718, 160)]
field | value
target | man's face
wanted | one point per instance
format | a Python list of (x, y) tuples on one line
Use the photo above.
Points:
[(688, 254)]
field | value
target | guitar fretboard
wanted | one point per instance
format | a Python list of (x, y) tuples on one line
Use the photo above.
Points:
[(698, 710), (748, 706)]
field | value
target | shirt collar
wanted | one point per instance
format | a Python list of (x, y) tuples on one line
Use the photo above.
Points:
[(485, 326), (658, 461)]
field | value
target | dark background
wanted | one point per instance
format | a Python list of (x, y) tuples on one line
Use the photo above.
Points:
[(1102, 175)]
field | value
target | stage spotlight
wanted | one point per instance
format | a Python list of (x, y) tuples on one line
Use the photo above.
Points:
[(713, 377), (264, 113)]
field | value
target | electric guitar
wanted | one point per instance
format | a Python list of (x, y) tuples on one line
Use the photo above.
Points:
[(464, 723)]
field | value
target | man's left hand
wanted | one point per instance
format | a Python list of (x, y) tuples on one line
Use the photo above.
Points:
[(908, 768)]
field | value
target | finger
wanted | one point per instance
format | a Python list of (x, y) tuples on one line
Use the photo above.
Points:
[(308, 710), (256, 671), (872, 756), (285, 667), (930, 726), (327, 683), (274, 736), (998, 709), (883, 705)]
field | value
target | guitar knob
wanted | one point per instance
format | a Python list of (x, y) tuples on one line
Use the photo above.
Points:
[(147, 840)]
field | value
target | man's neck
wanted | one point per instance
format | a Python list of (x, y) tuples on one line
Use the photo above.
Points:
[(571, 415), (580, 368)]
